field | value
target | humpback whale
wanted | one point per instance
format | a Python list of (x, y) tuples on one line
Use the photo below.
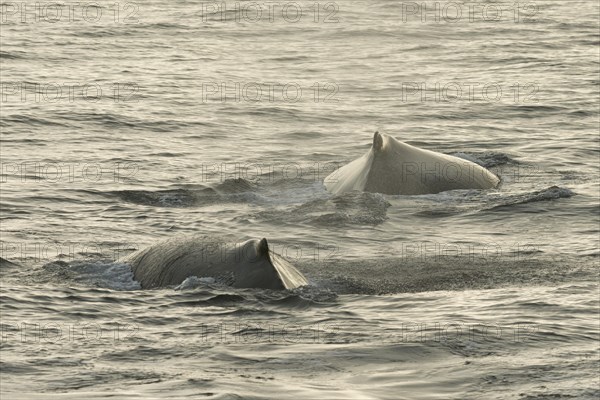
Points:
[(394, 167), (244, 265)]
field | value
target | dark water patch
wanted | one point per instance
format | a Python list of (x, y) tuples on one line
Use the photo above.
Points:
[(369, 32), (113, 121), (273, 112), (487, 159), (436, 272), (161, 198), (583, 113), (162, 26), (238, 185), (295, 58), (447, 211), (530, 111), (18, 301), (109, 120), (8, 120), (455, 115), (219, 300), (81, 379), (359, 208), (7, 265), (552, 193), (230, 190), (18, 368), (456, 202), (58, 361), (99, 33), (523, 60), (168, 154), (562, 395), (13, 55), (140, 352)]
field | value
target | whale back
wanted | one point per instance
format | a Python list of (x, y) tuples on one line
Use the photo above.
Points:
[(247, 265), (394, 167)]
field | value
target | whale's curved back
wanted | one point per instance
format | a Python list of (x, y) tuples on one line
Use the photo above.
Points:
[(394, 167), (247, 265)]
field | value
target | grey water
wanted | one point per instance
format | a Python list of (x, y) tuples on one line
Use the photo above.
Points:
[(127, 123)]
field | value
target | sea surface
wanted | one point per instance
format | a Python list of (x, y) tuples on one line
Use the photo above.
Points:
[(127, 123)]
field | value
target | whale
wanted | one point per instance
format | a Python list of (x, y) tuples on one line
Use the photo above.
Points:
[(250, 264), (396, 168)]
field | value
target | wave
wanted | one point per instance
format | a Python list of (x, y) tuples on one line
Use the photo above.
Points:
[(7, 121), (548, 194), (6, 265), (12, 55), (230, 190)]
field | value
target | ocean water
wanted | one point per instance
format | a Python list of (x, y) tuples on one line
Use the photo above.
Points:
[(128, 123)]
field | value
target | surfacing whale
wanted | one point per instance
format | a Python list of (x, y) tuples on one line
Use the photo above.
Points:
[(394, 167), (244, 265)]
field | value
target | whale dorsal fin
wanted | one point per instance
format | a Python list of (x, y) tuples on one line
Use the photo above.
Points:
[(289, 276), (377, 141), (262, 248)]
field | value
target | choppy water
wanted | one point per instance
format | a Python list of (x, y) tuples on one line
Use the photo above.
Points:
[(175, 119)]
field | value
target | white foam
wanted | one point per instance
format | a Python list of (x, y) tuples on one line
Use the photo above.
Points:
[(193, 282), (111, 275)]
